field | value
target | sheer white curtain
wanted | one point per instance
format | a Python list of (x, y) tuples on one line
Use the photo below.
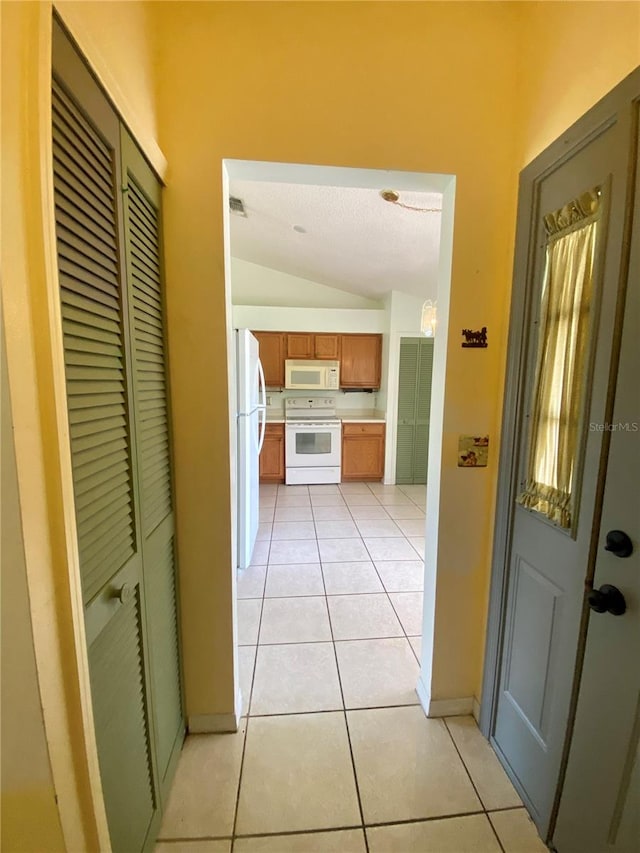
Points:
[(559, 388)]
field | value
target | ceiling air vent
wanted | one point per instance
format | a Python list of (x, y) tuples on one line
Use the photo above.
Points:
[(236, 205)]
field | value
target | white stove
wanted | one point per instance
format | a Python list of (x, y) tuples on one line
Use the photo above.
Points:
[(312, 440)]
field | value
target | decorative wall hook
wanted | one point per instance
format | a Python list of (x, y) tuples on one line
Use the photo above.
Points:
[(476, 339)]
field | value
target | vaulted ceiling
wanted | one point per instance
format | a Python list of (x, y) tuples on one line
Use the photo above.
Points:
[(346, 237)]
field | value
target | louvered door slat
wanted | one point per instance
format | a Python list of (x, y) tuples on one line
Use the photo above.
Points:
[(101, 431), (73, 187), (102, 524), (143, 278), (83, 323), (145, 303), (93, 514), (65, 135), (66, 114), (100, 477), (76, 226), (79, 357), (143, 243), (102, 446), (78, 261), (84, 345), (102, 260)]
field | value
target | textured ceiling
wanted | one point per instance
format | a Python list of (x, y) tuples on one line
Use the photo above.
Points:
[(353, 240)]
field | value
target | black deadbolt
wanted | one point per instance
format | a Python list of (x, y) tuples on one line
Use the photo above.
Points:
[(619, 543), (607, 599)]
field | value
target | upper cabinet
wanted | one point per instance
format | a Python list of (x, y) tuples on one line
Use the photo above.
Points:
[(360, 356), (361, 361), (272, 355), (307, 345)]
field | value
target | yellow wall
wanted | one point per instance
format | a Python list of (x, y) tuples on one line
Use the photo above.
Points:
[(571, 54), (413, 86), (29, 815), (440, 87)]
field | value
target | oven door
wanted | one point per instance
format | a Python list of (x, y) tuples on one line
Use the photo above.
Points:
[(309, 446)]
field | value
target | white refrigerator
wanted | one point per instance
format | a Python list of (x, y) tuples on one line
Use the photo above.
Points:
[(251, 418)]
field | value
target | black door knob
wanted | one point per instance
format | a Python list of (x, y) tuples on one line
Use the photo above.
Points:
[(607, 599), (619, 543)]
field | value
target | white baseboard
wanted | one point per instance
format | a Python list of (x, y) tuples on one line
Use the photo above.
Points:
[(451, 707), (476, 710), (212, 723), (443, 707)]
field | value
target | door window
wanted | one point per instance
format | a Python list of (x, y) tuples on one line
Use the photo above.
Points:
[(562, 357)]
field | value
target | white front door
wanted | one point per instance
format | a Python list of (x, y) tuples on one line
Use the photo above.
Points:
[(600, 801)]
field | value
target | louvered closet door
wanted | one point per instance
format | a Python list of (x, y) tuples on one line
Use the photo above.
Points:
[(414, 403), (406, 427), (146, 309), (86, 150), (423, 408)]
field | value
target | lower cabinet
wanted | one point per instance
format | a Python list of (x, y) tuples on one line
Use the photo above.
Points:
[(362, 451), (272, 455)]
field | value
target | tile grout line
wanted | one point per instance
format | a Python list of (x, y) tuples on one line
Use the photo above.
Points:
[(346, 721), (345, 828), (406, 636), (473, 784), (331, 594), (250, 699)]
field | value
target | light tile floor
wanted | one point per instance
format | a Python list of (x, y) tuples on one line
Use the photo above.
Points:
[(335, 754)]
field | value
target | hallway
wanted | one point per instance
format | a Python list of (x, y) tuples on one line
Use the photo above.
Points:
[(335, 741)]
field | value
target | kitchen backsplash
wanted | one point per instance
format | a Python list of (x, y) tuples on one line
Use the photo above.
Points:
[(350, 400)]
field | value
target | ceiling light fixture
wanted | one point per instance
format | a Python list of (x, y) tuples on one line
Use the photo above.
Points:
[(394, 197), (428, 319), (300, 229)]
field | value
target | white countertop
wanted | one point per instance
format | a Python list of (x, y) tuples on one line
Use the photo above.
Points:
[(363, 417)]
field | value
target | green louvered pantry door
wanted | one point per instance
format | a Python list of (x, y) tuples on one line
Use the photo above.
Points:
[(110, 291), (414, 403)]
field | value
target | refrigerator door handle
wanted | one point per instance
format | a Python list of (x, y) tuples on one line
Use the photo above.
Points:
[(262, 387), (262, 404)]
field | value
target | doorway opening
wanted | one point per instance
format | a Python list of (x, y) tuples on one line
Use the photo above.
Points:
[(320, 262)]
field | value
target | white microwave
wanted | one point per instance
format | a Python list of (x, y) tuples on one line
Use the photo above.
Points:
[(311, 375)]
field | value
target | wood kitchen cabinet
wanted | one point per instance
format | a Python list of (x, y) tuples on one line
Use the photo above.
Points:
[(360, 356), (272, 355), (272, 455), (362, 451), (360, 361), (308, 345)]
